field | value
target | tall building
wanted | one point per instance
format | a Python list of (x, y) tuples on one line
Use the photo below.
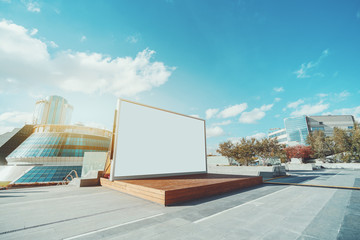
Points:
[(52, 110), (327, 123), (50, 149), (297, 129), (279, 134)]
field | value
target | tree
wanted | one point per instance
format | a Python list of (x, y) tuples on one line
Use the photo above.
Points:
[(226, 149), (299, 151), (342, 140), (246, 150), (321, 146), (268, 148), (355, 142), (243, 151)]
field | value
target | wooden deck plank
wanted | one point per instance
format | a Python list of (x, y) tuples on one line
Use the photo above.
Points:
[(171, 190)]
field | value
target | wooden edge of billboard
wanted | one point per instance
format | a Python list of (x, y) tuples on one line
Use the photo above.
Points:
[(164, 110)]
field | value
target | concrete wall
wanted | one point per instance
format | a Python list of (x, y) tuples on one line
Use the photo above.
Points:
[(299, 167), (264, 171), (217, 160), (12, 173), (339, 165)]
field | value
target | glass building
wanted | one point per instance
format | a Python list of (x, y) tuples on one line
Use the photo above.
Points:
[(44, 174), (59, 145), (297, 130), (52, 110), (279, 134)]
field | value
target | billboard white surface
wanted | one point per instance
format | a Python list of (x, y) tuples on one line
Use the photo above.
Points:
[(153, 142)]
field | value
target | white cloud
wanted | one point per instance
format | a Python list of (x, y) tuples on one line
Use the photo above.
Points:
[(306, 68), (10, 80), (277, 99), (295, 104), (335, 96), (75, 71), (33, 31), (214, 132), (132, 39), (194, 115), (53, 44), (343, 95), (255, 114), (16, 43), (232, 111), (211, 149), (257, 136), (302, 72), (355, 111), (308, 109), (16, 117), (266, 107), (234, 140), (36, 96), (279, 89), (211, 112), (33, 6), (5, 129), (83, 38), (322, 95), (223, 123)]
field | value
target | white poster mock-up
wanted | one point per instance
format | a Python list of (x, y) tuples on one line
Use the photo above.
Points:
[(152, 142)]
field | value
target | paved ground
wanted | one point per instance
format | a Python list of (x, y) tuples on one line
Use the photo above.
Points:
[(264, 212)]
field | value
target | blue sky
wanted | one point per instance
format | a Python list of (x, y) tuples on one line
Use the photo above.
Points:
[(242, 65)]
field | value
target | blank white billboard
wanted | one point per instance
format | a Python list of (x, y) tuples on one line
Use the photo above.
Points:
[(152, 142)]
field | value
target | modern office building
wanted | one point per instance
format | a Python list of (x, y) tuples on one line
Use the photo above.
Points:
[(52, 110), (328, 123), (50, 149), (279, 134), (297, 129)]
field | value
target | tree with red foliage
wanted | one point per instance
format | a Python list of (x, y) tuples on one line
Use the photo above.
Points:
[(299, 151)]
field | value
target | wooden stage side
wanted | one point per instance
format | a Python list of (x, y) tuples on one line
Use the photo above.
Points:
[(171, 190)]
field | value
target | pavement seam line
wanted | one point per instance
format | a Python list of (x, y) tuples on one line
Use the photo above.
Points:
[(277, 178), (108, 228), (59, 221), (243, 204), (314, 185), (47, 199)]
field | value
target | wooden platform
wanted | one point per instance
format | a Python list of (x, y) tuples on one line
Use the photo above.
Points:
[(171, 190)]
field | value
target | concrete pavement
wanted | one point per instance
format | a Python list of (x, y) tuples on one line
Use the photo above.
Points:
[(263, 212)]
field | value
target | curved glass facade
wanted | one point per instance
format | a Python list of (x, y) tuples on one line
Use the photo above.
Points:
[(297, 129), (60, 145), (42, 174), (51, 144)]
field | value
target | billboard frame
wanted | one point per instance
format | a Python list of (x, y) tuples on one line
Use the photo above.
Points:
[(115, 134)]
